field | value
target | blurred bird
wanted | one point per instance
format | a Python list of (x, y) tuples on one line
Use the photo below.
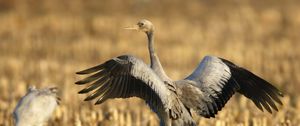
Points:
[(204, 91), (36, 107)]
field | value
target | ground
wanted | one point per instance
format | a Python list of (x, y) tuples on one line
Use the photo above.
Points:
[(45, 42)]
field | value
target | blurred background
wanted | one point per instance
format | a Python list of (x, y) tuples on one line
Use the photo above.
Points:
[(44, 42)]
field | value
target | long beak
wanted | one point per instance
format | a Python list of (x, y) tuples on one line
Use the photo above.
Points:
[(135, 27)]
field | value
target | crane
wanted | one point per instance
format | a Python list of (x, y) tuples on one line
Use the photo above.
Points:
[(206, 90), (36, 107)]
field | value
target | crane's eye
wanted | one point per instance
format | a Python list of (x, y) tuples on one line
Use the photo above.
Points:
[(141, 24)]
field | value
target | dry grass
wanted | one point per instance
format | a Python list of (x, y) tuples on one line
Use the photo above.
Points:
[(44, 42)]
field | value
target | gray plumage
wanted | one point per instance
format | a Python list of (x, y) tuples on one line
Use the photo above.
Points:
[(36, 107), (205, 91)]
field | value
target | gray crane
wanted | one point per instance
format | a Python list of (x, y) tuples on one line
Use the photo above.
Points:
[(205, 91), (36, 107)]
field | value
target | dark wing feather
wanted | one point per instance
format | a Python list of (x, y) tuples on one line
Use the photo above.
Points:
[(254, 87), (215, 80), (126, 76)]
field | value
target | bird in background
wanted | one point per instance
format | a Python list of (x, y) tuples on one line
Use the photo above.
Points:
[(205, 91), (36, 107)]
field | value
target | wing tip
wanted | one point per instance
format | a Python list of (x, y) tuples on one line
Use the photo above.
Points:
[(83, 91), (264, 86), (81, 72), (279, 101), (276, 109), (80, 82), (269, 110), (91, 70), (88, 98), (99, 101)]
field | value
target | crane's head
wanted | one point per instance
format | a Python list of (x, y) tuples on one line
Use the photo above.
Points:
[(143, 25)]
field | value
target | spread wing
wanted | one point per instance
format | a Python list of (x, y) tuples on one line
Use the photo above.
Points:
[(215, 80), (126, 76)]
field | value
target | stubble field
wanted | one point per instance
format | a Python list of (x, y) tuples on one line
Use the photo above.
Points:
[(44, 43)]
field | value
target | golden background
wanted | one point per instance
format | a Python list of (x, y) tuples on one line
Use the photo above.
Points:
[(44, 42)]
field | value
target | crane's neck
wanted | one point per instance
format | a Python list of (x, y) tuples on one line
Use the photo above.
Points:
[(155, 63), (153, 56)]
